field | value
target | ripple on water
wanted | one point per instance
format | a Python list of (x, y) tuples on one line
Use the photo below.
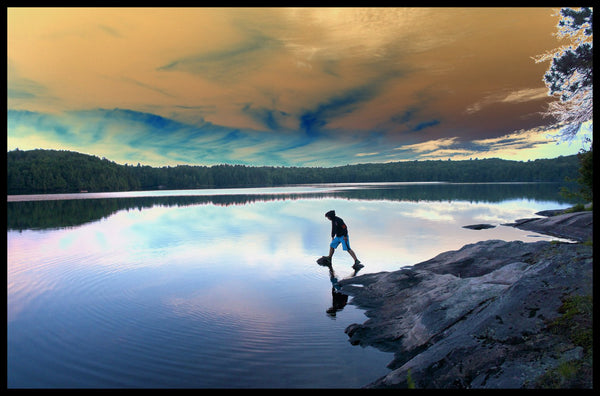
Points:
[(99, 322)]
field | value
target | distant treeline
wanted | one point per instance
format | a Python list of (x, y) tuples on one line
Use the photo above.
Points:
[(60, 213), (51, 171)]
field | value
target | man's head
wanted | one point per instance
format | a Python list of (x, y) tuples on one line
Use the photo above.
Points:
[(330, 215)]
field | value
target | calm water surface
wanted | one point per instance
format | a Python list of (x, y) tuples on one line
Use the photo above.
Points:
[(220, 288)]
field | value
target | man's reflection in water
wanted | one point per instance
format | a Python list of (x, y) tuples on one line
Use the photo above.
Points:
[(338, 299)]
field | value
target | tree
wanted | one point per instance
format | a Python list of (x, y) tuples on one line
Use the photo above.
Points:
[(585, 179), (570, 76)]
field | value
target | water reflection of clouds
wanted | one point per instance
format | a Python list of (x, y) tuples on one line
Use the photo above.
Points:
[(255, 234), (270, 234), (234, 299), (272, 231), (430, 214), (276, 238), (24, 280)]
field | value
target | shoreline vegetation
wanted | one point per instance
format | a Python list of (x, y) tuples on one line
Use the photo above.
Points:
[(57, 171)]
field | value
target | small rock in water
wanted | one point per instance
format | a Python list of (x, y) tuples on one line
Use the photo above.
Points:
[(479, 226)]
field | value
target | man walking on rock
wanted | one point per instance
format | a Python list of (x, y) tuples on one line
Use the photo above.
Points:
[(339, 234)]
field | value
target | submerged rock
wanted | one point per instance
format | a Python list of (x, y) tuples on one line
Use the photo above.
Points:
[(478, 317), (479, 226)]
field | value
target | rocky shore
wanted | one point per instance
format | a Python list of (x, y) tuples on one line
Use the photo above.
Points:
[(493, 314)]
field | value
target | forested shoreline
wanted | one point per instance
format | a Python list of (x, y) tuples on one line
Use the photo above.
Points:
[(59, 171)]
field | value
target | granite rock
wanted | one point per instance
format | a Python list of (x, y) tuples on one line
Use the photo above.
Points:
[(477, 317)]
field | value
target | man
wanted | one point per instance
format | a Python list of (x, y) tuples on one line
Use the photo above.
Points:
[(339, 234)]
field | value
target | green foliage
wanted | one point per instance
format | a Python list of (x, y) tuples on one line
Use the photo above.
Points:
[(571, 70), (586, 172), (585, 180), (561, 376), (570, 75), (50, 171), (410, 381), (576, 208), (559, 78), (575, 323)]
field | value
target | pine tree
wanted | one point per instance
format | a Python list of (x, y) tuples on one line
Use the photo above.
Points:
[(570, 75)]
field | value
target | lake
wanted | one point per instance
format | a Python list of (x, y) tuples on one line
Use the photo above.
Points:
[(220, 288)]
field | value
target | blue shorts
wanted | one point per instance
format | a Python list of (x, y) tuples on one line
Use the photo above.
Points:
[(343, 239)]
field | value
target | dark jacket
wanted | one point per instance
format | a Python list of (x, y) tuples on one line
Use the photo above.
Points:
[(338, 227)]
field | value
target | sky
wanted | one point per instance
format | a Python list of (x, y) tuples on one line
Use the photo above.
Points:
[(282, 86)]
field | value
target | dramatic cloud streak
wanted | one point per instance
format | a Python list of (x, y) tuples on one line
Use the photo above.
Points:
[(281, 86)]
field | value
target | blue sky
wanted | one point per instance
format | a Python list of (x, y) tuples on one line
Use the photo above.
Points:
[(282, 86)]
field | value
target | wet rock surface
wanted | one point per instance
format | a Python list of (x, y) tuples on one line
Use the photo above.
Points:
[(577, 226), (478, 317)]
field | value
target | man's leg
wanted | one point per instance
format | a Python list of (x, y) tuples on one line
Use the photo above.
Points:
[(347, 247), (352, 254), (331, 250), (334, 243)]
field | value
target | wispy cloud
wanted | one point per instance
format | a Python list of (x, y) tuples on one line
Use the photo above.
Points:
[(23, 88), (147, 86), (229, 63), (20, 88), (272, 119), (314, 120), (429, 146), (109, 30), (514, 97), (367, 154)]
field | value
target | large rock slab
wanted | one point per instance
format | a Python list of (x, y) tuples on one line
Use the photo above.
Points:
[(577, 226), (476, 317)]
